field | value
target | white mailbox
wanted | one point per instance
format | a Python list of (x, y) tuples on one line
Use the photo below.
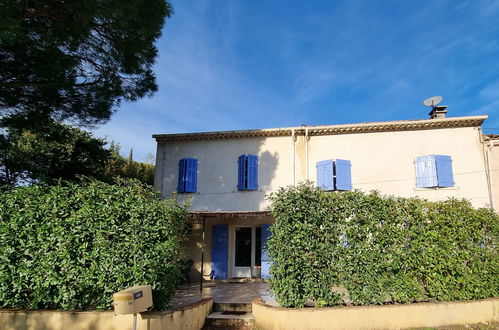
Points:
[(132, 300)]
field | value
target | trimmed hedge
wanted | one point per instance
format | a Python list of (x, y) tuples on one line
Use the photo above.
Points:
[(71, 246), (382, 249)]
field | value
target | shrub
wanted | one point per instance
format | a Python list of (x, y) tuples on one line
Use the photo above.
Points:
[(382, 249), (71, 246)]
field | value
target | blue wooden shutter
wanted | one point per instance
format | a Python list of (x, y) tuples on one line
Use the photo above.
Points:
[(220, 251), (426, 172), (444, 171), (240, 172), (252, 163), (191, 171), (181, 176), (343, 174), (265, 256), (325, 174)]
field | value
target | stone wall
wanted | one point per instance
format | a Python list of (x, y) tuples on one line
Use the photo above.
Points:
[(418, 315), (189, 318)]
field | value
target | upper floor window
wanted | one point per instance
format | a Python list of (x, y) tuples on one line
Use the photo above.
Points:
[(334, 174), (434, 171), (247, 174), (187, 175)]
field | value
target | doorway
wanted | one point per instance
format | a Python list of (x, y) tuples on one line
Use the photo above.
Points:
[(247, 251)]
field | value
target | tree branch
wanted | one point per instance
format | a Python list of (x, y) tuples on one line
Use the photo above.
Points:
[(33, 13), (46, 84)]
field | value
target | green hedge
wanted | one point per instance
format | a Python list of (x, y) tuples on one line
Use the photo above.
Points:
[(71, 246), (382, 249)]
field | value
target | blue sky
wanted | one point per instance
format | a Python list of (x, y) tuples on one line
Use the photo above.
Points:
[(227, 65)]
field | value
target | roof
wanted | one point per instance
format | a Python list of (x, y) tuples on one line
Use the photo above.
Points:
[(492, 139), (369, 127), (491, 136)]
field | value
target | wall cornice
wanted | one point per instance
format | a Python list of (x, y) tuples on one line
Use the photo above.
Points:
[(388, 126)]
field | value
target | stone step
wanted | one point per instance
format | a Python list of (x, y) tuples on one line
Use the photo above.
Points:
[(238, 280), (232, 307), (229, 321)]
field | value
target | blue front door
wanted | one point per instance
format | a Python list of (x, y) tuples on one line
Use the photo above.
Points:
[(220, 251)]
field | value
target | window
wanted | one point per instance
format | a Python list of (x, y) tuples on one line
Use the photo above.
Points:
[(187, 175), (247, 174), (334, 174), (434, 171)]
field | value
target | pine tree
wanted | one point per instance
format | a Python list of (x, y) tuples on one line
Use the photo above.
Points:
[(75, 60)]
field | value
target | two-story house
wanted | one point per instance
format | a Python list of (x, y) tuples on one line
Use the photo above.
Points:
[(226, 176)]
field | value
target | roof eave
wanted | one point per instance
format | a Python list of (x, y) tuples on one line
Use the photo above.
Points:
[(391, 126)]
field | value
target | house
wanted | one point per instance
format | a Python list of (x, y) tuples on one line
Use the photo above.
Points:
[(226, 176)]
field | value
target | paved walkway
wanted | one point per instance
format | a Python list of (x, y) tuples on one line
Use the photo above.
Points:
[(223, 293)]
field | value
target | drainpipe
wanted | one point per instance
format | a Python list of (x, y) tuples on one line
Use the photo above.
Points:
[(293, 137), (487, 167), (160, 169), (306, 149)]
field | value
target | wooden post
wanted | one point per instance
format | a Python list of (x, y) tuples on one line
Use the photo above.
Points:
[(202, 258)]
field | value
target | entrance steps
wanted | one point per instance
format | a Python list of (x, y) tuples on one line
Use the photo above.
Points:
[(230, 316), (238, 280), (232, 307)]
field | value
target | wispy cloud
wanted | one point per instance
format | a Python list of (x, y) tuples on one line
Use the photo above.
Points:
[(238, 65), (199, 86), (489, 7), (488, 104), (490, 91)]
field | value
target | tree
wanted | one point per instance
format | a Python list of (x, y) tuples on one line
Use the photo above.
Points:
[(58, 152), (149, 159), (119, 166), (63, 152), (130, 156), (75, 60)]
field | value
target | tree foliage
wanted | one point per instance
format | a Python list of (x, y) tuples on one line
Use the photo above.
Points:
[(63, 152), (71, 246), (58, 152), (119, 166), (75, 60), (381, 249), (71, 61)]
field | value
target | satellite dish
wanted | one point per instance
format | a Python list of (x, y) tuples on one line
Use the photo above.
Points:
[(432, 101)]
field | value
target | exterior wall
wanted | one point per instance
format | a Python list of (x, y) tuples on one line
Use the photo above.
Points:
[(408, 316), (191, 317), (195, 242), (217, 171), (493, 158), (385, 161), (381, 161)]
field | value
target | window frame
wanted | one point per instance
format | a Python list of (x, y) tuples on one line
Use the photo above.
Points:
[(434, 171), (327, 175), (186, 174), (247, 169)]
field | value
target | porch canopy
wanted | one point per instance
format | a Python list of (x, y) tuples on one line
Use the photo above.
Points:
[(200, 215)]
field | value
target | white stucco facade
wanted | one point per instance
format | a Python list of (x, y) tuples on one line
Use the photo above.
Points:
[(382, 157)]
